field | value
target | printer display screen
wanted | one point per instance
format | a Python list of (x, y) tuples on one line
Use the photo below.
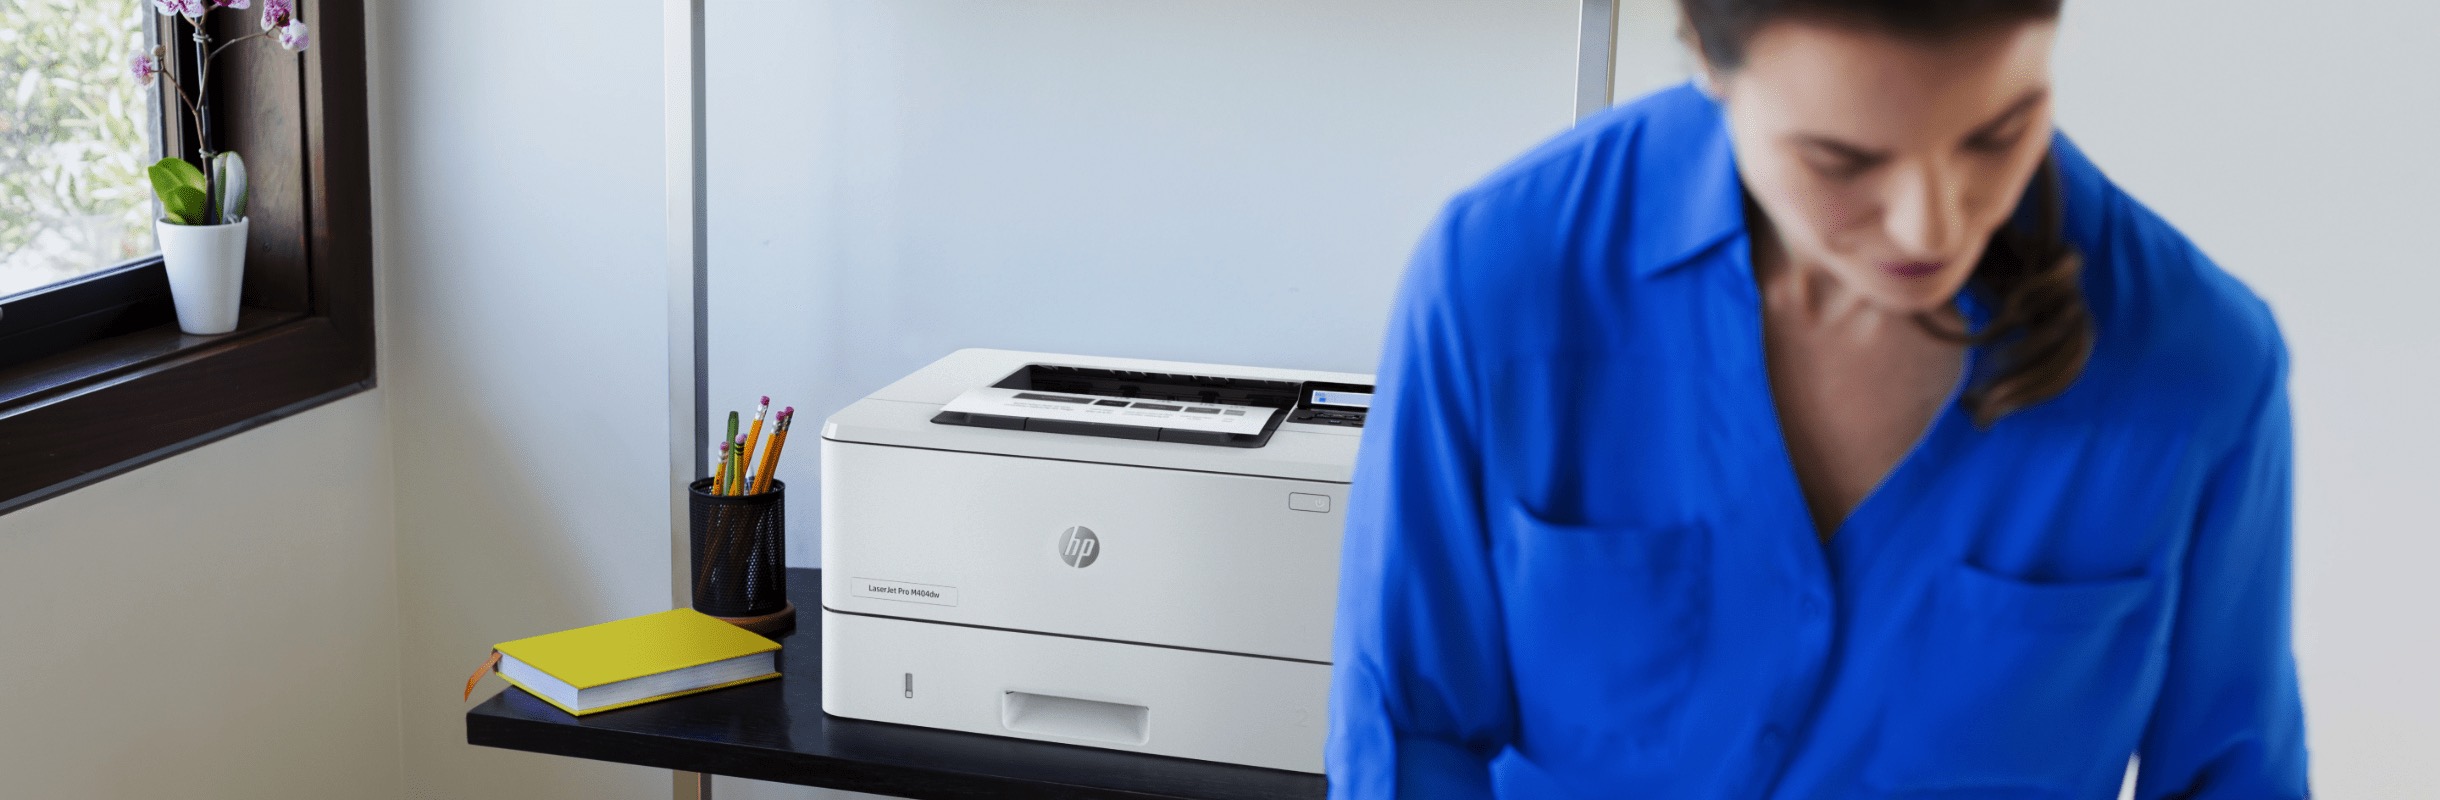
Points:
[(1327, 397), (1340, 404)]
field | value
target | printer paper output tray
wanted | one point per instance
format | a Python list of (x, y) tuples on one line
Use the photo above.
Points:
[(1128, 404)]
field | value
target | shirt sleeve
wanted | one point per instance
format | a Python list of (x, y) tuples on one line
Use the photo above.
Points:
[(2230, 720), (1420, 698)]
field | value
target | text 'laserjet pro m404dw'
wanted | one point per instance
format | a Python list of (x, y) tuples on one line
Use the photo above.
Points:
[(1137, 555)]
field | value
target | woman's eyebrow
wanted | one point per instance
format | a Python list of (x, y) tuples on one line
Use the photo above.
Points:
[(2031, 98), (1841, 149), (1862, 155)]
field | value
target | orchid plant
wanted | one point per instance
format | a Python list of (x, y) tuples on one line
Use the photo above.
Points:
[(214, 191)]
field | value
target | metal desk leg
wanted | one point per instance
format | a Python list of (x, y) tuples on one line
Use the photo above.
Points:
[(690, 785)]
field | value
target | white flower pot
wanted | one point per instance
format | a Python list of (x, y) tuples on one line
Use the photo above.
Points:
[(205, 265)]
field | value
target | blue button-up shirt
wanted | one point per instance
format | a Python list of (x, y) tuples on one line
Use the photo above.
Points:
[(1578, 562)]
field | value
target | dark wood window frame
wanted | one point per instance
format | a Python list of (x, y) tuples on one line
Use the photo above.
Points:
[(98, 379)]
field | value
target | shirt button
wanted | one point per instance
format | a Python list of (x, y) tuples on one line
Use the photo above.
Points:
[(1770, 743), (1812, 606)]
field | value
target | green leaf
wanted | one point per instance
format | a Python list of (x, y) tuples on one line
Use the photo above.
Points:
[(184, 205), (181, 170), (171, 174)]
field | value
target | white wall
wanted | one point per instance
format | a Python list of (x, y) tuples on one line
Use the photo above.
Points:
[(288, 609), (2294, 142), (1237, 181), (1650, 56), (222, 624), (518, 192)]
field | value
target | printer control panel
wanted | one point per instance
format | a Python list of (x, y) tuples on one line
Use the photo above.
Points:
[(1342, 404)]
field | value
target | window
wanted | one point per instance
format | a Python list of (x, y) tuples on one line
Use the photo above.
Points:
[(95, 378), (75, 134)]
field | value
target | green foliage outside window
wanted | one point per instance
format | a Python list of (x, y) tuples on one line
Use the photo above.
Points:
[(74, 140)]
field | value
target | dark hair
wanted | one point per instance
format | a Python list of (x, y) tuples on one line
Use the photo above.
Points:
[(2039, 332), (1722, 27)]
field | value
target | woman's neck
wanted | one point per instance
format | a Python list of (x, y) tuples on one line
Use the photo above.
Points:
[(1801, 294)]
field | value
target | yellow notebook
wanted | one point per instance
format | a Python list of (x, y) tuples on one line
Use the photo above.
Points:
[(636, 660)]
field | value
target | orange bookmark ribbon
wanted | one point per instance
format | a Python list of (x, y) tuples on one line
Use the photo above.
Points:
[(477, 677)]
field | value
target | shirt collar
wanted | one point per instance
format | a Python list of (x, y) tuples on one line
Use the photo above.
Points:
[(1688, 198)]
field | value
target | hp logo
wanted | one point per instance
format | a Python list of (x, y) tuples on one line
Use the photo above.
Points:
[(1079, 547)]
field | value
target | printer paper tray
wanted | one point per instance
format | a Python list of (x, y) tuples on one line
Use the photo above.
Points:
[(1263, 712)]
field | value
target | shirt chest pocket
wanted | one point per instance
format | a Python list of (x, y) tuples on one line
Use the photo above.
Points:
[(1605, 626), (2010, 683), (1615, 436)]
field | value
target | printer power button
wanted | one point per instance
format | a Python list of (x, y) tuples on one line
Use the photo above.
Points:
[(1316, 503)]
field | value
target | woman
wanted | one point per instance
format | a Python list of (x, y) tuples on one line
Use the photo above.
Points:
[(1831, 428)]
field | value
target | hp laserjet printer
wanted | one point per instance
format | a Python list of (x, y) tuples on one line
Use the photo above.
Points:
[(1136, 555)]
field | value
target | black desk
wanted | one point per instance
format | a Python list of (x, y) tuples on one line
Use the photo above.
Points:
[(776, 731)]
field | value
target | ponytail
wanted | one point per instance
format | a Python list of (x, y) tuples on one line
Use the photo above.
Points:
[(2040, 334)]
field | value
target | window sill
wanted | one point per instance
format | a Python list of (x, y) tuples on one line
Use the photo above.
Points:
[(117, 404)]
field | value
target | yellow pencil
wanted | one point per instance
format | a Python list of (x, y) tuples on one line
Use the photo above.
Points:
[(754, 437), (779, 440), (762, 476)]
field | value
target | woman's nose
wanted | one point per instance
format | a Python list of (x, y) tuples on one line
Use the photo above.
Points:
[(1926, 217)]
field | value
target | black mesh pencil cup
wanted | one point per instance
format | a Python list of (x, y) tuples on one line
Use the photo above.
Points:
[(738, 546)]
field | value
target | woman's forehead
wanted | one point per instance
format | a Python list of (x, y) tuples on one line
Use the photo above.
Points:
[(1856, 81)]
